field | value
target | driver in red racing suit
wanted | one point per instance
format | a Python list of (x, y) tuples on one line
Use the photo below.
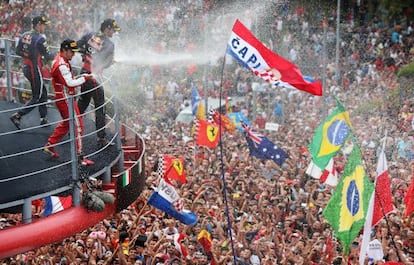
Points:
[(62, 77)]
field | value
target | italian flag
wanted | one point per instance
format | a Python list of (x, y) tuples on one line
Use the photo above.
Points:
[(126, 178)]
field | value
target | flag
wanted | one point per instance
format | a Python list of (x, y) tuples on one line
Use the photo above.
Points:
[(409, 199), (126, 177), (348, 205), (197, 106), (206, 133), (263, 148), (54, 204), (329, 250), (237, 118), (380, 203), (382, 196), (366, 236), (178, 238), (166, 199), (204, 238), (229, 108), (330, 136), (172, 168), (255, 56), (327, 176), (225, 121)]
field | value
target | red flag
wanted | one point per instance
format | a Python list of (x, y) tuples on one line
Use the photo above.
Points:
[(178, 238), (409, 199), (173, 168), (206, 133), (329, 250), (380, 204), (227, 124), (254, 55), (204, 238), (382, 197)]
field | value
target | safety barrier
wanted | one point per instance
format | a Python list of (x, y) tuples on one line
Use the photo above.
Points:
[(15, 97)]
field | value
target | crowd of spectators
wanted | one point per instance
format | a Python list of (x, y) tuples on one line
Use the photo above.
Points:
[(275, 212)]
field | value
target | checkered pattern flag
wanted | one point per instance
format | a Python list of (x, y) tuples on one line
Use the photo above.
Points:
[(210, 117), (161, 166), (269, 76), (178, 205)]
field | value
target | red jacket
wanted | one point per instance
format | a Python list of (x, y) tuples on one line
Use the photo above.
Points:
[(62, 77)]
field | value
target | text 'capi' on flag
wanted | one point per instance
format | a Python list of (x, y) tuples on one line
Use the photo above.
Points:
[(263, 62)]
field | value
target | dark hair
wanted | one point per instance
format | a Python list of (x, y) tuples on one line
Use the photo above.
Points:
[(111, 24)]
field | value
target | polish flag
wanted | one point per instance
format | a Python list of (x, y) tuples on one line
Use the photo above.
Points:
[(380, 204)]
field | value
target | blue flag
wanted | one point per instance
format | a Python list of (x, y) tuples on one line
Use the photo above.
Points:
[(54, 204), (166, 199), (263, 148), (195, 99), (238, 118)]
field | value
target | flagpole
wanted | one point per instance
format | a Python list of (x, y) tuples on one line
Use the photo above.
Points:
[(338, 24), (229, 226)]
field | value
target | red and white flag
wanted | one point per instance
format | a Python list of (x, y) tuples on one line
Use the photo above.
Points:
[(383, 197), (327, 176), (409, 199), (178, 238), (380, 204), (263, 62)]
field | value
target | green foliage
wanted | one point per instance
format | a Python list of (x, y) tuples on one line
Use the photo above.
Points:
[(406, 71)]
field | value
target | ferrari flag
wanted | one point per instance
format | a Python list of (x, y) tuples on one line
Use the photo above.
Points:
[(206, 133)]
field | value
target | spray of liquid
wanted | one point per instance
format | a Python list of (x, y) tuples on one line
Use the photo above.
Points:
[(211, 44)]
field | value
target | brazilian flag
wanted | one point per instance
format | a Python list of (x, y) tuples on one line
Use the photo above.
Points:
[(347, 208), (330, 136)]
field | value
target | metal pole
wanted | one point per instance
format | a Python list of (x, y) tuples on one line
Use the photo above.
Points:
[(338, 22), (27, 211), (254, 106), (117, 126), (74, 154), (8, 70), (205, 67), (324, 57)]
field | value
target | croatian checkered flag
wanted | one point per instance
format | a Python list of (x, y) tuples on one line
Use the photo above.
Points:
[(166, 198), (178, 205), (262, 61), (269, 76)]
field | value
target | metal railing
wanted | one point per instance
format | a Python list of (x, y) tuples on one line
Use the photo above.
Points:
[(14, 95)]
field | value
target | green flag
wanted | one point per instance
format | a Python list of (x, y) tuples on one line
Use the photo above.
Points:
[(347, 208), (330, 136), (126, 177)]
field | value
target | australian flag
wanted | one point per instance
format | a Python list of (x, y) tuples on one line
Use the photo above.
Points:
[(263, 148)]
